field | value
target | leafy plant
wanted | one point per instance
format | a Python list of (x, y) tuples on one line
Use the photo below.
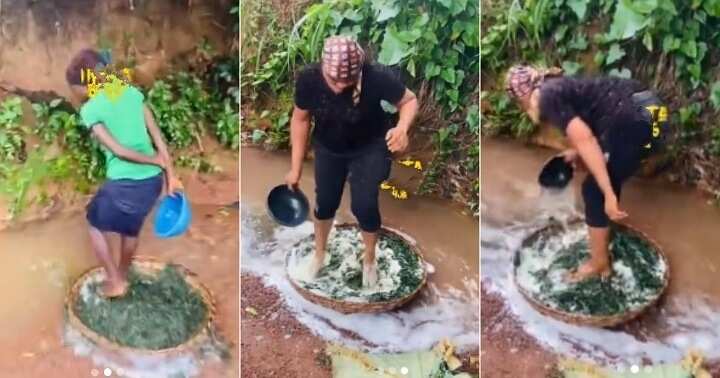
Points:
[(433, 44), (12, 146)]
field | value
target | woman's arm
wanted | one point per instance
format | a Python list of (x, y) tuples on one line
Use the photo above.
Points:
[(397, 137), (299, 133), (407, 110), (157, 138), (172, 182), (582, 138), (103, 136)]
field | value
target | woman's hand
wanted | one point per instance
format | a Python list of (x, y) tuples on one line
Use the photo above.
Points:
[(572, 157), (160, 161), (611, 208), (174, 185), (292, 179), (397, 139)]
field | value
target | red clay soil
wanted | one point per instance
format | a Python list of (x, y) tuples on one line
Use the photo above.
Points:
[(273, 342), (507, 351)]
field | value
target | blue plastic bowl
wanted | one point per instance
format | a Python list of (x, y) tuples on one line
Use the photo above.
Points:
[(173, 216), (287, 207)]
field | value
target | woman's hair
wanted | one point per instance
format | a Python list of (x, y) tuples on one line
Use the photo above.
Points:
[(85, 59)]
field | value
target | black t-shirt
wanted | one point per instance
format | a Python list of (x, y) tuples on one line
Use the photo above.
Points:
[(603, 103), (340, 126)]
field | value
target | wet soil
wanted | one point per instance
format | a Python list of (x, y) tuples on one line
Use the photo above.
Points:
[(507, 351), (274, 343)]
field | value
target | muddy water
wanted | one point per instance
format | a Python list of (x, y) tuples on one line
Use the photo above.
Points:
[(680, 220), (39, 261), (449, 239)]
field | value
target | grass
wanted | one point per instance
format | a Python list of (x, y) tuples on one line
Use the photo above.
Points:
[(157, 312)]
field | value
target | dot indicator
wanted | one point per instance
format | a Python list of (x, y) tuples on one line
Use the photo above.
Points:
[(404, 370), (94, 372), (635, 369), (107, 372)]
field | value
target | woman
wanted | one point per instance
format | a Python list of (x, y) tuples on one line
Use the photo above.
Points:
[(351, 139), (136, 159), (607, 123)]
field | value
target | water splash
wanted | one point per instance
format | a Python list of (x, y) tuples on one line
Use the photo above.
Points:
[(683, 323), (447, 313), (138, 365)]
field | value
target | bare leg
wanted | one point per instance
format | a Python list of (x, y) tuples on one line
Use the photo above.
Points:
[(128, 246), (322, 231), (115, 284), (599, 262), (369, 267)]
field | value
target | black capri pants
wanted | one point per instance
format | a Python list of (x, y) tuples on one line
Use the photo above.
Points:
[(625, 149), (365, 170)]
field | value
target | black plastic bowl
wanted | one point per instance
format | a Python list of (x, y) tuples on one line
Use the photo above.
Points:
[(287, 207), (556, 173)]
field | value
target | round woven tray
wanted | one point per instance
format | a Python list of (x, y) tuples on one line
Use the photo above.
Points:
[(345, 307), (149, 266), (603, 321)]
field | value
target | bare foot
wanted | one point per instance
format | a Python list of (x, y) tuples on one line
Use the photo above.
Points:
[(369, 275), (123, 270), (112, 289), (315, 266), (588, 270)]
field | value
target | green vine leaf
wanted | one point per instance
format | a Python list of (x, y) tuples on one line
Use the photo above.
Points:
[(393, 49), (614, 54), (715, 95), (623, 73), (579, 7), (388, 107), (385, 9), (571, 68), (626, 21), (648, 42)]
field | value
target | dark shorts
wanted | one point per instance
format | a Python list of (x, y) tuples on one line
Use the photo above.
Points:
[(121, 206), (365, 170), (625, 149)]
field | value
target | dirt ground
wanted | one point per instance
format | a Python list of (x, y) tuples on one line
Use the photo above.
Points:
[(507, 351), (275, 344), (503, 337)]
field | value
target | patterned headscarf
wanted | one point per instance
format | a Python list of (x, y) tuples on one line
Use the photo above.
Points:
[(522, 80), (342, 60)]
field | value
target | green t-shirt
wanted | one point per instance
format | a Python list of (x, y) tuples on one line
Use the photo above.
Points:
[(124, 119)]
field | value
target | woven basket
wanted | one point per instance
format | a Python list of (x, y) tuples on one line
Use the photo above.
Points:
[(345, 307), (603, 321), (149, 266)]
